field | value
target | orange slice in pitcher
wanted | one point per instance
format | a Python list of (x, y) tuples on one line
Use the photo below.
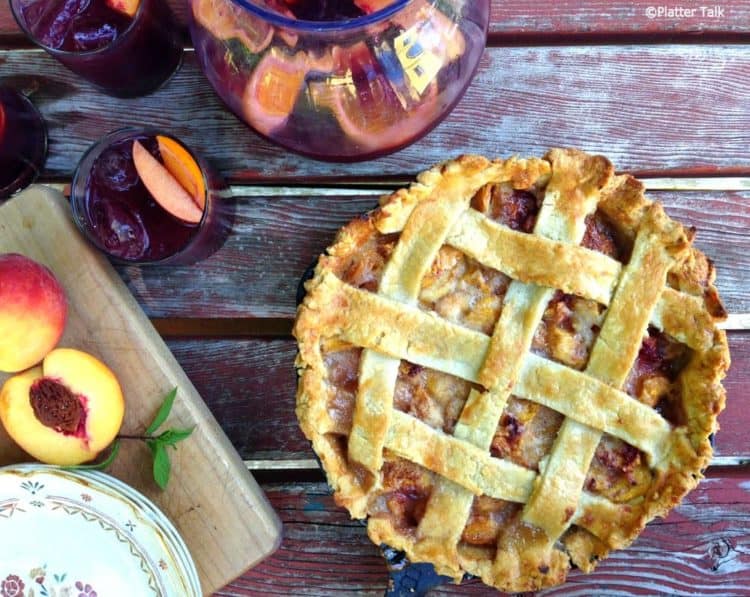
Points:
[(273, 89), (164, 187), (366, 106), (184, 168), (225, 20), (370, 6)]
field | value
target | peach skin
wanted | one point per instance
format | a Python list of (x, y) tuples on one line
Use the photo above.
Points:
[(64, 412), (33, 310)]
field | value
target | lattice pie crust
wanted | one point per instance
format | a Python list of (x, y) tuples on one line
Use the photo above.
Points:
[(512, 366)]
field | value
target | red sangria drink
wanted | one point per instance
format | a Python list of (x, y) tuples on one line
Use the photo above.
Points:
[(340, 79), (127, 48), (23, 142), (142, 197)]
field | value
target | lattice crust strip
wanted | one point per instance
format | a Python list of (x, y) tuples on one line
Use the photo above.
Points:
[(391, 327), (660, 244)]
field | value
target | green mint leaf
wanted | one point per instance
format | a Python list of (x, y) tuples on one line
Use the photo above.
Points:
[(99, 466), (173, 436), (163, 413), (162, 466)]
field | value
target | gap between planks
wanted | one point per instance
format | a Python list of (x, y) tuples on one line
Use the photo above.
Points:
[(377, 188), (300, 464)]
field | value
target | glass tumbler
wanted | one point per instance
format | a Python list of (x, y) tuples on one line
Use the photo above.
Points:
[(127, 48), (23, 141), (143, 197)]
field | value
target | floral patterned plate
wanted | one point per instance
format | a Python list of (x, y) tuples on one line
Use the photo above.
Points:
[(83, 534)]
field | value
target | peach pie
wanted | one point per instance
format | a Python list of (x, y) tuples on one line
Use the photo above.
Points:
[(511, 366)]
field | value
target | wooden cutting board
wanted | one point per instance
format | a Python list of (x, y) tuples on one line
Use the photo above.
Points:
[(222, 514)]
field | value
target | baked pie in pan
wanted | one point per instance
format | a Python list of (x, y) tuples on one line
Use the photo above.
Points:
[(510, 367)]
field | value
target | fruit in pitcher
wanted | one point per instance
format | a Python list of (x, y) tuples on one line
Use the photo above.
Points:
[(164, 188), (226, 21), (33, 311), (65, 411), (369, 6), (275, 85), (366, 105)]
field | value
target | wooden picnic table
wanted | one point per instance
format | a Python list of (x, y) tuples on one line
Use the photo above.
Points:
[(666, 98)]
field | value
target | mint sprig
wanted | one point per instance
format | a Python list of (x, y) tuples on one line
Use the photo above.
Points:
[(157, 444)]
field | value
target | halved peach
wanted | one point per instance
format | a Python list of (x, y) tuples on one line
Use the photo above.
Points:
[(33, 311), (164, 187), (64, 412), (184, 168), (127, 7)]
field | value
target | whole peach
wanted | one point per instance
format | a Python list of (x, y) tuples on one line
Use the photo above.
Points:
[(65, 411), (33, 311)]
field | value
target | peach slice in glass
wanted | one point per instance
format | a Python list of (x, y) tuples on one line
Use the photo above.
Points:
[(184, 168), (164, 188), (126, 7)]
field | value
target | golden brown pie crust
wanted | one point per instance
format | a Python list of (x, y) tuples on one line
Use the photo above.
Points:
[(512, 366)]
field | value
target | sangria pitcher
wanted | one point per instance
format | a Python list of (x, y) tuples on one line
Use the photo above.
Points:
[(340, 80)]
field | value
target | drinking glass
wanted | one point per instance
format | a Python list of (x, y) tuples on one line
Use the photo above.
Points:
[(134, 212), (23, 141), (127, 48)]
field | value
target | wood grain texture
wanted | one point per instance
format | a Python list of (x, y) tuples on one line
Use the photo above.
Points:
[(667, 109), (275, 239), (701, 548), (250, 386), (215, 503), (587, 19)]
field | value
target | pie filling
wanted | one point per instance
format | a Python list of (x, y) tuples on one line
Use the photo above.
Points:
[(465, 292)]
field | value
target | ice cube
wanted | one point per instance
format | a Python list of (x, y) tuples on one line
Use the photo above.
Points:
[(89, 33), (50, 21), (119, 228), (114, 169)]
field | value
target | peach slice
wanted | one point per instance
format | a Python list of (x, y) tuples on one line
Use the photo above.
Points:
[(33, 311), (184, 168), (126, 7), (64, 412), (164, 187)]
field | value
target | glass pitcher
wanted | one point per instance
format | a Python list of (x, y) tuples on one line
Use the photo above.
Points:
[(348, 89)]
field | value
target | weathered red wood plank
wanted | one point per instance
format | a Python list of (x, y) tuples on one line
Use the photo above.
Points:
[(275, 239), (649, 108), (702, 548), (250, 387), (527, 20)]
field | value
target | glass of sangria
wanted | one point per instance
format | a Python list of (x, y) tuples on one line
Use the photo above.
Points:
[(127, 48), (143, 197), (340, 80), (23, 142)]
